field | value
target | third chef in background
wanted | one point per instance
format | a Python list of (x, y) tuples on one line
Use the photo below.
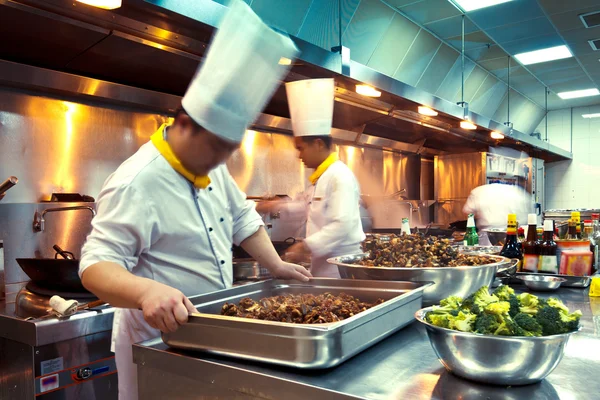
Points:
[(330, 205)]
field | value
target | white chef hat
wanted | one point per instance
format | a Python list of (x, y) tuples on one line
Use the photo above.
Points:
[(244, 65), (311, 106)]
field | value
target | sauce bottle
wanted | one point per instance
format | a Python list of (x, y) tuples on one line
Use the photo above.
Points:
[(548, 261), (512, 247), (531, 246)]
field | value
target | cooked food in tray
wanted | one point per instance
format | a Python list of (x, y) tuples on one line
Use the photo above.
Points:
[(504, 313), (299, 308), (415, 251)]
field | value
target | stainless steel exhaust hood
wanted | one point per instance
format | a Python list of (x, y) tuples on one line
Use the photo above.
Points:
[(156, 45)]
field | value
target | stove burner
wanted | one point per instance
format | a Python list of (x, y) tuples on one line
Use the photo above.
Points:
[(34, 301), (37, 289)]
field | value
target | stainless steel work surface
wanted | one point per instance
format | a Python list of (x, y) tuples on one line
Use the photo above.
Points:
[(298, 345), (403, 366)]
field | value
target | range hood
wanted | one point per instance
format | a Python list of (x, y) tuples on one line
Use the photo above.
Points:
[(156, 46)]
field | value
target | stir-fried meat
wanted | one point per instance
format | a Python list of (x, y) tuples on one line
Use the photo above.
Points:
[(415, 251), (299, 308)]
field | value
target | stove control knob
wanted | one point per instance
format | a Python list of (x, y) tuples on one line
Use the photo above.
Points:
[(84, 373)]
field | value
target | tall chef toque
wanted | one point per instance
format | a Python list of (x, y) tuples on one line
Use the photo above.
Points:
[(244, 65), (311, 106)]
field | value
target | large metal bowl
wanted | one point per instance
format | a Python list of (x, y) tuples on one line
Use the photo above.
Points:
[(499, 360), (448, 281)]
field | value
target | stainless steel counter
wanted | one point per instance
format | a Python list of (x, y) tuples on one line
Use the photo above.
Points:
[(403, 366)]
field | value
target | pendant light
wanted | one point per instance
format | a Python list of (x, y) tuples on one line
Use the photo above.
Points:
[(465, 123), (508, 123)]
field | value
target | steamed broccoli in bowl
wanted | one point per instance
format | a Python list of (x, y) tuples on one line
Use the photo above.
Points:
[(504, 313)]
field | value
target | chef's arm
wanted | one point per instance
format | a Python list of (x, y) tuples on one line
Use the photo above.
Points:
[(164, 307), (120, 234), (260, 247)]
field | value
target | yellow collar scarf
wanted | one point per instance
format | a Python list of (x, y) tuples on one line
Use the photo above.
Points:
[(164, 148), (333, 157)]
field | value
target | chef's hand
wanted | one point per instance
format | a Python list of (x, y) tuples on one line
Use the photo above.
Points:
[(264, 207), (287, 270), (165, 308)]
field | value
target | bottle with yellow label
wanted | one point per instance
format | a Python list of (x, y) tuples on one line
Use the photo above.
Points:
[(512, 248)]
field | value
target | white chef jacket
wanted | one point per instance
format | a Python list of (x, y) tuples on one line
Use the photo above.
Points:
[(492, 203), (333, 226), (156, 224)]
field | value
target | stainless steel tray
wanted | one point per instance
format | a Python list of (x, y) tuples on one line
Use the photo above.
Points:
[(458, 281), (581, 282), (296, 345)]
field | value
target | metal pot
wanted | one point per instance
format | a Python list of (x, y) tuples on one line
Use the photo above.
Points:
[(53, 274), (498, 360), (249, 269), (459, 281)]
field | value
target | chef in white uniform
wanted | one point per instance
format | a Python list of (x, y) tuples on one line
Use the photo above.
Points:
[(167, 217), (330, 205), (491, 205)]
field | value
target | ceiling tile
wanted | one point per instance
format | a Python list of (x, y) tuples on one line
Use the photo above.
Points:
[(552, 78), (582, 49), (427, 11), (486, 53), (472, 40), (553, 65), (560, 6), (401, 3), (578, 83), (565, 21), (531, 44), (526, 29), (450, 27)]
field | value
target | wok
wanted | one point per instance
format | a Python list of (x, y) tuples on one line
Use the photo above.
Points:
[(53, 273)]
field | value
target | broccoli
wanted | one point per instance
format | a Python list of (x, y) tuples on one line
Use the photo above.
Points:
[(529, 303), (440, 320), (470, 306), (552, 302), (550, 320), (486, 324), (555, 320), (515, 305), (453, 302), (528, 325), (504, 292), (499, 308), (476, 302), (463, 322)]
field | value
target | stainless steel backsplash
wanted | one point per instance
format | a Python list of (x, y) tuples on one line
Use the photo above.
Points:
[(56, 145)]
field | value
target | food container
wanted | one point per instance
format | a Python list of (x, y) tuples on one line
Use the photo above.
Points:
[(298, 345), (458, 281), (541, 283), (577, 245), (499, 360), (576, 262)]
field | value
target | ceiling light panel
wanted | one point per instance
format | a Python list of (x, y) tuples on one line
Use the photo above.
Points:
[(578, 93), (544, 55), (471, 5)]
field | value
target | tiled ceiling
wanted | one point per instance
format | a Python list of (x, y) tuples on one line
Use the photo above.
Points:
[(518, 26)]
